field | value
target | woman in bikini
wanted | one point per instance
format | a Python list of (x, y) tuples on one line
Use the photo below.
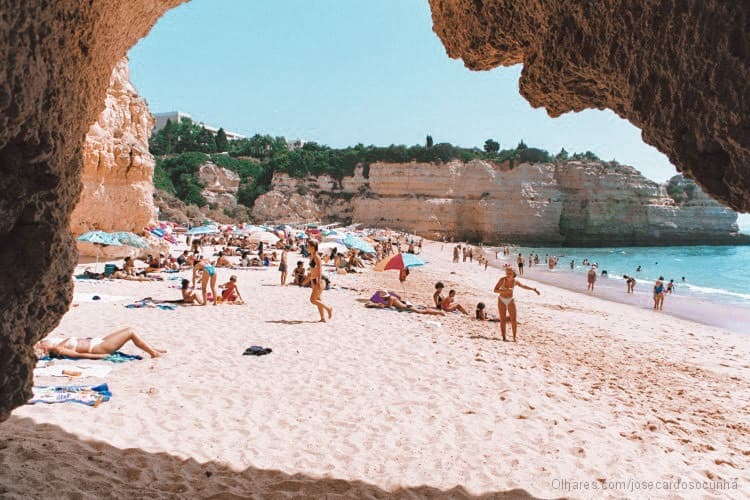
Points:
[(437, 297), (505, 303), (208, 272), (316, 281), (94, 348)]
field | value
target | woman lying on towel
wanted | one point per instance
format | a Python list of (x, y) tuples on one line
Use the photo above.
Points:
[(93, 348), (383, 299)]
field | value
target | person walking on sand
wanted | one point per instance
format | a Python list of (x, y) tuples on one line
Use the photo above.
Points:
[(455, 254), (506, 306), (316, 281), (283, 267), (520, 264), (208, 272), (591, 279)]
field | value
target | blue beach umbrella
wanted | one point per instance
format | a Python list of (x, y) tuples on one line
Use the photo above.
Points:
[(131, 239), (203, 230), (100, 239), (358, 243)]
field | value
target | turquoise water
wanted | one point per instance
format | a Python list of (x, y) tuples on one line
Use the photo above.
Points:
[(719, 273)]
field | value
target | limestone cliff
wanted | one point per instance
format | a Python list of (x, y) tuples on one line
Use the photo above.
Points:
[(118, 169), (220, 185), (572, 203)]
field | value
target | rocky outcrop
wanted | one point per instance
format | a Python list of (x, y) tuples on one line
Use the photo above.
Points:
[(118, 169), (677, 69), (572, 203), (220, 185)]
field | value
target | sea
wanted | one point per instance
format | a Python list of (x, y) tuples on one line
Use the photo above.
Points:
[(715, 272), (712, 283)]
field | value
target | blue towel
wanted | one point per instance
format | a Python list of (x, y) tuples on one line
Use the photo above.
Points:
[(117, 357)]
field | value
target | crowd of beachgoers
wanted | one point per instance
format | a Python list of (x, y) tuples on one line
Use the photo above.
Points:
[(320, 253)]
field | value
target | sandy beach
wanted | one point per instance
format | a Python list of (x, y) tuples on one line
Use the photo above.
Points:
[(594, 396)]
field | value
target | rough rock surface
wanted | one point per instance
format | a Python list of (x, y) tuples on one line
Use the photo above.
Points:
[(220, 185), (57, 61), (677, 69), (118, 169), (573, 203)]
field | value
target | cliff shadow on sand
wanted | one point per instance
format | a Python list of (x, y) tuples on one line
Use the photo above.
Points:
[(39, 460)]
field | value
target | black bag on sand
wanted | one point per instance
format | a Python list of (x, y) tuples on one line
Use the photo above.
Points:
[(257, 350)]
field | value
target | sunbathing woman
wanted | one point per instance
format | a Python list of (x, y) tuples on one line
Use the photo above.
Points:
[(437, 297), (316, 281), (383, 299), (93, 348), (230, 293), (505, 302), (208, 272)]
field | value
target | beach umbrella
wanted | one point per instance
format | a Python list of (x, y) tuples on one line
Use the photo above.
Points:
[(100, 239), (358, 244), (130, 239), (265, 237), (399, 261), (333, 237), (327, 246), (302, 236), (203, 230)]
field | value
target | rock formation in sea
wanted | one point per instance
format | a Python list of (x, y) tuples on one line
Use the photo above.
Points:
[(677, 69), (570, 203), (118, 169)]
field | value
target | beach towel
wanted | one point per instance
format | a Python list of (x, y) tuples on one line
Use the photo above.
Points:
[(150, 304), (116, 357), (257, 350), (379, 299), (84, 394), (72, 370)]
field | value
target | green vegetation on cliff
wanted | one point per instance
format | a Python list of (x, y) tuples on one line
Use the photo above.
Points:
[(181, 148)]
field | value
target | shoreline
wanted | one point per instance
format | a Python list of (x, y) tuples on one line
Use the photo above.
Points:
[(733, 317)]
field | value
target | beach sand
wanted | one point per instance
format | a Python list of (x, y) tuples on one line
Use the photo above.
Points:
[(379, 403)]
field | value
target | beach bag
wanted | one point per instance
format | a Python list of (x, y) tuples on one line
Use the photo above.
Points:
[(257, 350)]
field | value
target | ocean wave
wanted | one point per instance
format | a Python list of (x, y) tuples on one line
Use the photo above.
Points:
[(708, 290)]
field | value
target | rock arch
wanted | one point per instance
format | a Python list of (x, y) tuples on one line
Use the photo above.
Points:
[(676, 68)]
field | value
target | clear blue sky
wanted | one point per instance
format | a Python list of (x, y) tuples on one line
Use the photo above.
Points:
[(341, 72)]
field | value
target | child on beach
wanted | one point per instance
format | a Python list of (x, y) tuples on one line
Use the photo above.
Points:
[(230, 293)]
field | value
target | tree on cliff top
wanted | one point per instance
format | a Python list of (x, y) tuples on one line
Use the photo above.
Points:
[(222, 143), (491, 146), (428, 142), (205, 142)]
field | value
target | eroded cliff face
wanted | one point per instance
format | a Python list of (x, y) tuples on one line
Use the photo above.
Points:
[(572, 203), (118, 169), (677, 69), (57, 61), (220, 185)]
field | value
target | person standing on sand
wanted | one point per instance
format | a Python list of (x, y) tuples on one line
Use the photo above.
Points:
[(670, 286), (316, 281), (659, 294), (572, 264), (282, 266), (455, 254), (506, 306), (520, 264), (591, 279), (208, 272)]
